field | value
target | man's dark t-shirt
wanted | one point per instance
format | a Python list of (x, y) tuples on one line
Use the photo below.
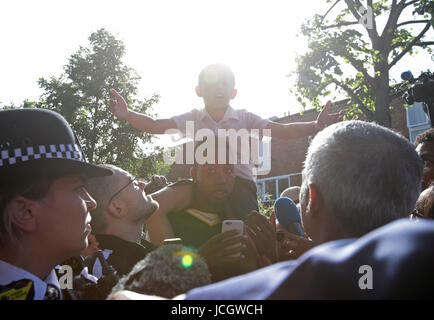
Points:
[(194, 227), (124, 254)]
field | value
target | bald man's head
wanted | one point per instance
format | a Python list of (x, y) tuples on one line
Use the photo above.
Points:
[(125, 191)]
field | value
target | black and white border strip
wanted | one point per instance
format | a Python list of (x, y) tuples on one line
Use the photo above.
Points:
[(59, 151)]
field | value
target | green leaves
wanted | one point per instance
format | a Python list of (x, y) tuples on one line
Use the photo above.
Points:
[(348, 60), (81, 95), (425, 8)]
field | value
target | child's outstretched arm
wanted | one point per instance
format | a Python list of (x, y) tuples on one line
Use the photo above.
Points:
[(119, 108), (296, 130), (170, 199)]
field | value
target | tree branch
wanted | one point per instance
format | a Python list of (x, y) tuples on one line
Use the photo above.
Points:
[(391, 24), (396, 45), (352, 8), (344, 23), (358, 65), (410, 3), (419, 44), (323, 17), (411, 22), (410, 45), (369, 114), (425, 43), (372, 32)]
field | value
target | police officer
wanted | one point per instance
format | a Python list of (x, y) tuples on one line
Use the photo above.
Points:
[(44, 207)]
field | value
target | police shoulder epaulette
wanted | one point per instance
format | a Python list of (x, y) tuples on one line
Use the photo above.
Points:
[(18, 290)]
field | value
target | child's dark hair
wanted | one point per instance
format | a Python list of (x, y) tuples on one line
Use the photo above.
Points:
[(424, 137)]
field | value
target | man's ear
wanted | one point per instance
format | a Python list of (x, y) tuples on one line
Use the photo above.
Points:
[(316, 200), (117, 208), (234, 93), (193, 174), (22, 213), (198, 91)]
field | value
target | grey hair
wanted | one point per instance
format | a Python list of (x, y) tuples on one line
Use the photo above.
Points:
[(101, 189), (368, 175)]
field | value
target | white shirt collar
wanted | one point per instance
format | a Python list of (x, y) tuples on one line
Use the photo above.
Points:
[(229, 114), (10, 273)]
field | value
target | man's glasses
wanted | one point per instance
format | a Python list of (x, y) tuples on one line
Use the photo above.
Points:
[(131, 181)]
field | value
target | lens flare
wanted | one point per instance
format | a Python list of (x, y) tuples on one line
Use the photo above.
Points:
[(187, 261), (187, 257)]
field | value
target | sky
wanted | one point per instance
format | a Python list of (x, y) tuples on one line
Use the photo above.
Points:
[(167, 43)]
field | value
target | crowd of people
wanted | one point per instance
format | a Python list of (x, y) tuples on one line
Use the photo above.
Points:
[(366, 203)]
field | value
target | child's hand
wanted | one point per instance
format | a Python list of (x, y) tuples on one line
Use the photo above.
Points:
[(118, 107), (157, 183), (325, 119)]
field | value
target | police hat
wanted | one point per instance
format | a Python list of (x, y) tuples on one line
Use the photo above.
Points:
[(39, 143)]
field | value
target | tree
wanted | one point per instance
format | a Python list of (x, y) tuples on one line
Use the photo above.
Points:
[(26, 104), (81, 95), (350, 56), (425, 8)]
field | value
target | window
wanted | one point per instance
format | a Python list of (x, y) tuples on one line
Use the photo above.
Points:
[(274, 186), (417, 120)]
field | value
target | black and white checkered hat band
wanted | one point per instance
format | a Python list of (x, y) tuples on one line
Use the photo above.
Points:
[(58, 151)]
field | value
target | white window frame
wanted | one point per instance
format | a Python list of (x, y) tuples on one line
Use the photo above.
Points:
[(260, 185), (415, 128)]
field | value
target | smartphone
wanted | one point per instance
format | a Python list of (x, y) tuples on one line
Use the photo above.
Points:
[(238, 225), (172, 241)]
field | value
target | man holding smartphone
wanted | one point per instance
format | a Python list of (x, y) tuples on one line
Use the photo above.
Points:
[(200, 225)]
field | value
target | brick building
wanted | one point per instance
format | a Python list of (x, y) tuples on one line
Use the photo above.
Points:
[(287, 156)]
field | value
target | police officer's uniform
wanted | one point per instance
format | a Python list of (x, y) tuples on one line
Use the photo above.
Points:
[(36, 143), (19, 284)]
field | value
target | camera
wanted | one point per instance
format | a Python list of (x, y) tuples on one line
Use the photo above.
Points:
[(422, 90)]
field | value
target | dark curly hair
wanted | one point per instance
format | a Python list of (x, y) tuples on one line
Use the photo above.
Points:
[(163, 273), (424, 137)]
